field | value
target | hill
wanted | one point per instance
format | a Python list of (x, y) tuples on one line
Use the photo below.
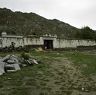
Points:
[(19, 23)]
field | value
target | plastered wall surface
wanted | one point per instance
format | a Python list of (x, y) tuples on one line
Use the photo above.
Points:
[(57, 43)]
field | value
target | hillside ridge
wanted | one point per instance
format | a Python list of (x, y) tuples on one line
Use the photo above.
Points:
[(19, 23)]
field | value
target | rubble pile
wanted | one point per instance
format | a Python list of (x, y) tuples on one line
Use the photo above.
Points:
[(12, 63)]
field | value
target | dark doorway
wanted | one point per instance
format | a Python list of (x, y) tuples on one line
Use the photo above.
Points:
[(48, 44)]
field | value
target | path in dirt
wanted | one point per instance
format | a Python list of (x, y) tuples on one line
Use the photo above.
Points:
[(68, 80)]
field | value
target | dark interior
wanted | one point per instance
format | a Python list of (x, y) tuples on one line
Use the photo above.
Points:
[(48, 44)]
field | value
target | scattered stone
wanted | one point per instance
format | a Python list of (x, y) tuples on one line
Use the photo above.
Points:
[(39, 49), (83, 89), (9, 78), (12, 63), (87, 90), (12, 67), (15, 58), (5, 58), (33, 61), (58, 53), (2, 64)]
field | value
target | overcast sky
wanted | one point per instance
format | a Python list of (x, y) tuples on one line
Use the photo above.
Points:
[(78, 13)]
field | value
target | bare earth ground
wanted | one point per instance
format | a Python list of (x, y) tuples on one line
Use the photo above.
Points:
[(58, 76), (70, 81)]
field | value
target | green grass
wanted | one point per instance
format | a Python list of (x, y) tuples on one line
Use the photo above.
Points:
[(43, 79), (84, 60)]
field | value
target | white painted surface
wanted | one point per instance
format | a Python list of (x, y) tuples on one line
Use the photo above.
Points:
[(6, 41), (57, 43), (62, 43), (32, 41)]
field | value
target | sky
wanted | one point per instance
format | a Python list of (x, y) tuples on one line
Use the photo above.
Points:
[(78, 13)]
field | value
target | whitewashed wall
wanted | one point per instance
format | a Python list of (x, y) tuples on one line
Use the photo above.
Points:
[(62, 43), (8, 40), (57, 43), (33, 41)]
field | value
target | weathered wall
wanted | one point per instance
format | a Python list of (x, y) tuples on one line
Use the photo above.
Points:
[(33, 41), (57, 43), (49, 38), (1, 42), (6, 41), (62, 43)]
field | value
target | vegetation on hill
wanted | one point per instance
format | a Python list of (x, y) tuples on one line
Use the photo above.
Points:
[(86, 33), (32, 24), (19, 23)]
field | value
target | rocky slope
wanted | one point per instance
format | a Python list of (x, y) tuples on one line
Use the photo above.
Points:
[(32, 24)]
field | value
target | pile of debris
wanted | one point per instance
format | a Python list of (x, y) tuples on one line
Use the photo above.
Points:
[(12, 63)]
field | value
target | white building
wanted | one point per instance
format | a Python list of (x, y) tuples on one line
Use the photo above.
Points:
[(45, 41)]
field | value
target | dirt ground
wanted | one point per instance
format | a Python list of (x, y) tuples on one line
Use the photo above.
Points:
[(59, 77), (68, 80)]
